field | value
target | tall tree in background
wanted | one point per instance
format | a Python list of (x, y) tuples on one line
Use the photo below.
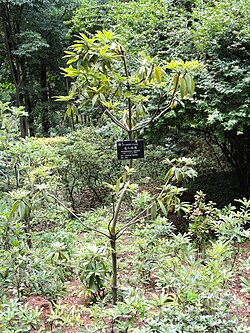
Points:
[(221, 110), (216, 33), (34, 37), (11, 21)]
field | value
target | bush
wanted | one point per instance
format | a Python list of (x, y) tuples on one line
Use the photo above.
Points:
[(89, 160)]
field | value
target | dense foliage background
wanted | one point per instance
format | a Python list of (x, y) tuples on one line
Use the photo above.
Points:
[(34, 37), (158, 239)]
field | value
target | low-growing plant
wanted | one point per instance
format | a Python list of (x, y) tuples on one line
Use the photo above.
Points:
[(207, 222), (245, 282), (193, 319), (36, 272), (231, 222), (64, 316), (190, 279), (9, 124), (85, 152), (16, 317), (94, 270), (201, 218), (148, 237)]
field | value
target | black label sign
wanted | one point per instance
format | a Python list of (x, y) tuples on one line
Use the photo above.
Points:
[(128, 150)]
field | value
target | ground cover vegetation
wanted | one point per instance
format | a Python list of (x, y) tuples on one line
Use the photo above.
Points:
[(93, 244)]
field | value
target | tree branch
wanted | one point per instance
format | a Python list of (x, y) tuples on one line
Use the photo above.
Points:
[(117, 210), (140, 215), (156, 114), (116, 121), (76, 217)]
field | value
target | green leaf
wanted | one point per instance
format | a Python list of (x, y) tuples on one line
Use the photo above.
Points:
[(69, 110), (61, 275), (190, 84), (157, 72), (154, 211), (183, 87), (163, 208), (94, 100), (14, 208), (64, 98), (70, 61), (22, 209), (118, 185), (14, 243), (71, 71)]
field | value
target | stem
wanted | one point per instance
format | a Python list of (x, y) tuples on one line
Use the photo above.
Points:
[(17, 175), (139, 216), (27, 232), (215, 154), (116, 121), (75, 216), (158, 113), (113, 239), (235, 256), (130, 135), (114, 269), (117, 211)]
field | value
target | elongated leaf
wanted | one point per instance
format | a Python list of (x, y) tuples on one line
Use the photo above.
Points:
[(22, 209), (163, 208), (157, 71), (70, 61), (117, 186), (154, 211), (183, 87), (14, 209), (190, 84), (95, 99), (69, 111), (64, 98)]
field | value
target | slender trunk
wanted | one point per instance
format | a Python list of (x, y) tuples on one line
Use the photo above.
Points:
[(113, 238), (44, 97), (27, 232), (114, 269), (73, 122), (28, 107), (13, 62), (130, 133), (16, 168), (24, 126)]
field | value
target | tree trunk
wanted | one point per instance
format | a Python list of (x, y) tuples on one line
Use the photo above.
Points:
[(44, 97), (114, 269), (13, 62), (236, 149)]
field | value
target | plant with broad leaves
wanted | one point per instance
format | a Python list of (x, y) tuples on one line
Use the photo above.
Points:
[(106, 82), (64, 316), (93, 270), (18, 317)]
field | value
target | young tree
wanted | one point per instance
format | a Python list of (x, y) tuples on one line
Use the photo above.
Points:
[(104, 79)]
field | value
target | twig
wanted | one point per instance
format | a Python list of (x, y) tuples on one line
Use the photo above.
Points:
[(75, 216), (117, 210), (116, 121), (139, 216)]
